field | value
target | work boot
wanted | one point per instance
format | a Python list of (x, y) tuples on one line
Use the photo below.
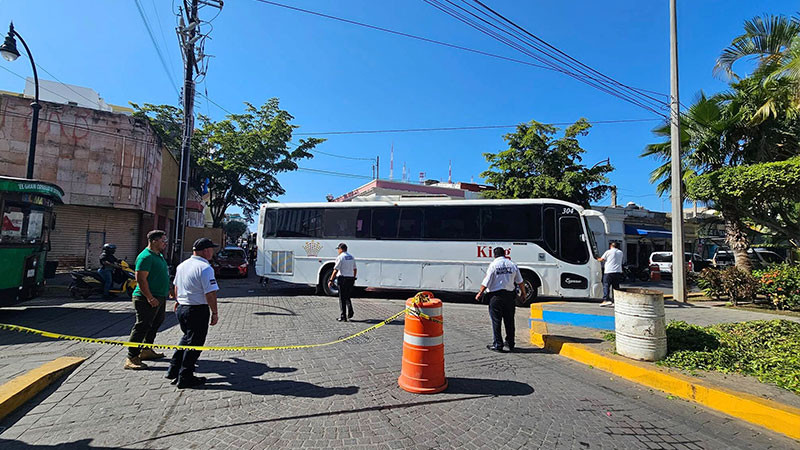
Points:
[(134, 363), (148, 353)]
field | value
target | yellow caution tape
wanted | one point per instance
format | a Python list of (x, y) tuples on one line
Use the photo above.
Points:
[(416, 301), (4, 326)]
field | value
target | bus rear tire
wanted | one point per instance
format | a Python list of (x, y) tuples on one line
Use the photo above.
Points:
[(330, 291), (531, 283)]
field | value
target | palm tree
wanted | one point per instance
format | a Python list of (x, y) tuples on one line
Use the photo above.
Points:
[(773, 40)]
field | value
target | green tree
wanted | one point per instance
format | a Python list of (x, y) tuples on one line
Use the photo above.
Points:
[(234, 229), (773, 40), (539, 165), (240, 156), (768, 193)]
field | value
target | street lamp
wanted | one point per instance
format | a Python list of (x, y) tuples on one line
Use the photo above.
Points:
[(10, 53)]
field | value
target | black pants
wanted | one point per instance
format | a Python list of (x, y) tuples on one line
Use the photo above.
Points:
[(148, 320), (193, 320), (345, 291), (610, 280), (502, 306)]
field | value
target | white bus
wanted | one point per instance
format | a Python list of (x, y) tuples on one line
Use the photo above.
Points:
[(436, 245)]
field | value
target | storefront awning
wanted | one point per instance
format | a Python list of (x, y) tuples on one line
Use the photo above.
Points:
[(650, 231)]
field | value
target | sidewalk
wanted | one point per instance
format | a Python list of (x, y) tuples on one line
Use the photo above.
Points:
[(593, 348)]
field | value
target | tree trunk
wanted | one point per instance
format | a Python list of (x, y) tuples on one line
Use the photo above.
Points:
[(736, 237)]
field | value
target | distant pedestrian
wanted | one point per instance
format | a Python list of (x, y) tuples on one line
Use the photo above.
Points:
[(149, 298), (345, 267), (612, 272), (195, 290), (108, 264), (501, 280)]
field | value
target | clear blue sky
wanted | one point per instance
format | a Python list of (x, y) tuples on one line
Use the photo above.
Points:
[(333, 76)]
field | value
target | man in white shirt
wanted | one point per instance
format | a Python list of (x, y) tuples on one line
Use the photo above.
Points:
[(345, 267), (195, 289), (502, 277), (612, 272)]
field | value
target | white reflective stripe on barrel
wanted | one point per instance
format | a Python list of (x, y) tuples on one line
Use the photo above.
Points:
[(423, 341), (433, 312)]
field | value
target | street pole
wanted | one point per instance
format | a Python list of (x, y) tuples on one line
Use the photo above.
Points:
[(678, 269), (188, 130), (10, 53)]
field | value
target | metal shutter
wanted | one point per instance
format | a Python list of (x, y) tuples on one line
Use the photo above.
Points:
[(69, 239)]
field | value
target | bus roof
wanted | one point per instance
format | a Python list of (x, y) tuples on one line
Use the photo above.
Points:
[(24, 185), (429, 202)]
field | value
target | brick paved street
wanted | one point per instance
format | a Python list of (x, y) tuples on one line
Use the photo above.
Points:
[(338, 396)]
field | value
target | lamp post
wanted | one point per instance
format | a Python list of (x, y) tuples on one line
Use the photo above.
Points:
[(10, 53)]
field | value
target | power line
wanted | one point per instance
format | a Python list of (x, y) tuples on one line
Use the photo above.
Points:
[(337, 174), (79, 127), (155, 44), (479, 127), (420, 38)]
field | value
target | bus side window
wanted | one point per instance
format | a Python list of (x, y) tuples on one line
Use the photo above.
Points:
[(549, 228), (384, 222), (573, 248), (270, 224), (410, 223), (363, 223)]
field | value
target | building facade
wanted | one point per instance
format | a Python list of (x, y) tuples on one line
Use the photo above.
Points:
[(108, 163)]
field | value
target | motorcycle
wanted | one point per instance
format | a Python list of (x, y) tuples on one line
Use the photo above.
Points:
[(85, 283), (633, 273)]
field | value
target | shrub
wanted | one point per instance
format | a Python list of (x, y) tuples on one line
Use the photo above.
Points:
[(739, 285), (781, 284), (710, 281), (768, 350)]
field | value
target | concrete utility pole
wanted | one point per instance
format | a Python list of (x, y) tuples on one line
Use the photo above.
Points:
[(189, 34), (678, 263)]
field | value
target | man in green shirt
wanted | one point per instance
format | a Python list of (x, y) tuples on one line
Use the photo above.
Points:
[(149, 298)]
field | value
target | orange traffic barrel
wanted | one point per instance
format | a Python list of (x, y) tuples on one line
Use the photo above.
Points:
[(423, 346), (655, 272)]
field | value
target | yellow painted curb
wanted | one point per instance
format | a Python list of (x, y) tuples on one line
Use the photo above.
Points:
[(769, 414), (22, 388)]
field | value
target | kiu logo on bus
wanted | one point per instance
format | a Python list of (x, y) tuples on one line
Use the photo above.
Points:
[(312, 248), (486, 251)]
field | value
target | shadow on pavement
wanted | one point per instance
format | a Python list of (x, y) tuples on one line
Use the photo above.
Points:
[(320, 414), (244, 376), (9, 444), (483, 386)]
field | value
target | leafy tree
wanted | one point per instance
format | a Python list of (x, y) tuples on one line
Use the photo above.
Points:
[(732, 129), (234, 229), (240, 156), (768, 193), (537, 164)]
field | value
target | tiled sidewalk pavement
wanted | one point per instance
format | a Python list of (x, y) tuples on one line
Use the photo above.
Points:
[(347, 395)]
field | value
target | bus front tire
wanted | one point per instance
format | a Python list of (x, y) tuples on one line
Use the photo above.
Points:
[(531, 283), (331, 291)]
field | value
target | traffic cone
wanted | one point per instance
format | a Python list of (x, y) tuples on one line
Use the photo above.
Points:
[(423, 347)]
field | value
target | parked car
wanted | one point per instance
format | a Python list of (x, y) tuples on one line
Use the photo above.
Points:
[(230, 261), (694, 263), (759, 258)]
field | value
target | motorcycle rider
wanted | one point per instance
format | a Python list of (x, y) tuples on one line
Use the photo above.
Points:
[(108, 263)]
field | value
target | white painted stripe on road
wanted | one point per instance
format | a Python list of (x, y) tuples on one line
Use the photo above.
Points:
[(422, 341)]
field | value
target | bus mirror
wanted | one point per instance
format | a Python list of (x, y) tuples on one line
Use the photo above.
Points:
[(53, 221)]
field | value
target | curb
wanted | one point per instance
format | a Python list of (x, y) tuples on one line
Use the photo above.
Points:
[(769, 414), (16, 392)]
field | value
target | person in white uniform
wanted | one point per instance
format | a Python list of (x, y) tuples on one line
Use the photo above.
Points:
[(345, 268), (612, 272), (195, 289), (502, 277)]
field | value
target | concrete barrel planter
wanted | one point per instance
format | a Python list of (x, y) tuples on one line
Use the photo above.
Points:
[(639, 324)]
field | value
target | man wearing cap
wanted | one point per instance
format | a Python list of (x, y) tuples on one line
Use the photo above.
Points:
[(501, 278), (345, 267), (195, 290), (149, 298)]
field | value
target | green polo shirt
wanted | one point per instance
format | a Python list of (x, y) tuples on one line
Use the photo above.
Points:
[(157, 273)]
